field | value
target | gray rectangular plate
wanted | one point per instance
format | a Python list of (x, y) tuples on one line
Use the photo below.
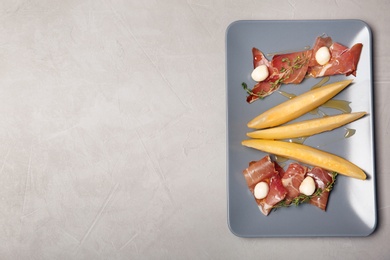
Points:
[(351, 207)]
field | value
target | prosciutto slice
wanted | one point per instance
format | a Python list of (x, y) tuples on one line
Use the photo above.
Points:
[(259, 58), (292, 179), (288, 68), (266, 87), (270, 172), (262, 89), (320, 42), (277, 192), (292, 67), (343, 60), (259, 171), (321, 178)]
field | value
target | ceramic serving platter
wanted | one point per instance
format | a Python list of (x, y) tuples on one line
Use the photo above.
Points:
[(351, 209)]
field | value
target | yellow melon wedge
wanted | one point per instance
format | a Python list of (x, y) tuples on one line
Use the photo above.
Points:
[(308, 155), (307, 127), (297, 106)]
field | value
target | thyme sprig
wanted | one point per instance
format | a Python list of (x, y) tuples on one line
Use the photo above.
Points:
[(298, 62), (302, 198), (260, 94), (245, 87)]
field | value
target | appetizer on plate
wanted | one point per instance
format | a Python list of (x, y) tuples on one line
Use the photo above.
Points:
[(273, 188), (326, 58)]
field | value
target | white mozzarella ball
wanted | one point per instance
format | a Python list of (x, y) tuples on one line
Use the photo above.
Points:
[(261, 190), (307, 186), (260, 73), (323, 55)]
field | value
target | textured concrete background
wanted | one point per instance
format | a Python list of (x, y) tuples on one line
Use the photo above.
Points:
[(113, 130)]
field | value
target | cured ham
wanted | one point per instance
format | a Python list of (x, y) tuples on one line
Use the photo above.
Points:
[(284, 186), (320, 42), (343, 60), (258, 171), (283, 69), (266, 87), (277, 192), (292, 179), (292, 68), (270, 172), (259, 58), (321, 178), (261, 90)]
